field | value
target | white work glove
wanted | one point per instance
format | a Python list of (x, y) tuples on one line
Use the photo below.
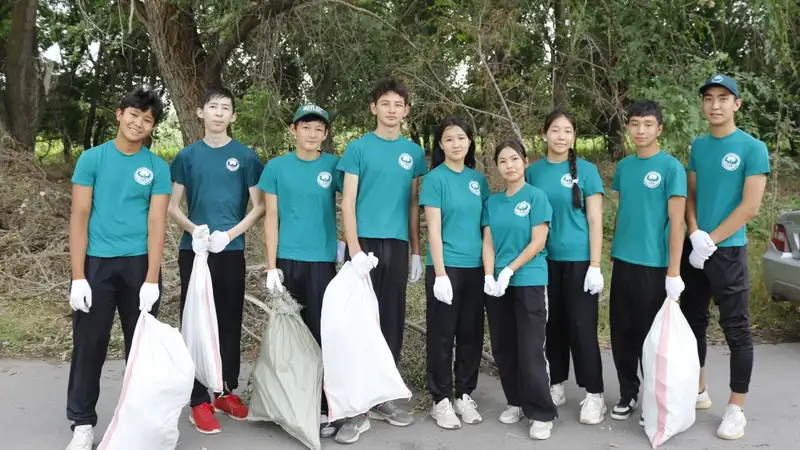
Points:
[(416, 269), (148, 295), (674, 287), (502, 281), (218, 241), (490, 286), (443, 290), (593, 282), (80, 295), (274, 280), (363, 263), (200, 239), (702, 249), (340, 246)]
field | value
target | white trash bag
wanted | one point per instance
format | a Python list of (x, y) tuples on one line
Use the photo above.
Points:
[(158, 382), (287, 377), (671, 369), (199, 323), (359, 368)]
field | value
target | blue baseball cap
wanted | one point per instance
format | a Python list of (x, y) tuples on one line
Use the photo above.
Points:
[(721, 80)]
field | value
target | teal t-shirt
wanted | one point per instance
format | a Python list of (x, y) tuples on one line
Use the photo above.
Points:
[(385, 170), (217, 183), (645, 186), (306, 192), (122, 186), (721, 165), (459, 196), (511, 219), (568, 239)]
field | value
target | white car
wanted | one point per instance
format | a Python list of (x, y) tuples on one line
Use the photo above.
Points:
[(781, 262)]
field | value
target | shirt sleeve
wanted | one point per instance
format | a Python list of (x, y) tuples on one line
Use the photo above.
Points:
[(615, 182), (691, 157), (351, 160), (676, 181), (86, 168), (420, 164), (177, 169), (485, 217), (757, 160), (541, 211), (254, 169), (593, 184), (338, 178), (162, 185), (431, 192), (485, 190), (269, 179)]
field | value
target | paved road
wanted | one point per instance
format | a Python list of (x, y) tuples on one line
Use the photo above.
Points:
[(34, 394)]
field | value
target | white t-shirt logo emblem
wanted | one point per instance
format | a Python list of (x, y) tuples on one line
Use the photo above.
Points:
[(567, 181), (522, 209), (406, 161), (731, 162), (232, 164), (324, 179), (475, 187), (652, 179), (143, 176)]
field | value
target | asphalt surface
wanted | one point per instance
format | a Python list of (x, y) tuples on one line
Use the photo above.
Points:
[(34, 395)]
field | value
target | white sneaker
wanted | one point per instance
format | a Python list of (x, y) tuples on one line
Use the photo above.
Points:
[(512, 414), (540, 430), (82, 438), (733, 423), (557, 394), (593, 409), (468, 410), (703, 400), (445, 416)]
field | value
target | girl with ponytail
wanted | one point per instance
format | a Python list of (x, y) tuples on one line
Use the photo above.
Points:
[(575, 191)]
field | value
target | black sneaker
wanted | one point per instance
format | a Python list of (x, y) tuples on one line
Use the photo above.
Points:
[(624, 407), (641, 420)]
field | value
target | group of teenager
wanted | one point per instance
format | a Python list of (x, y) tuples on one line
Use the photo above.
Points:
[(526, 258)]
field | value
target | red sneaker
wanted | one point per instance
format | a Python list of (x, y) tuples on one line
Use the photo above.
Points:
[(203, 418), (231, 405)]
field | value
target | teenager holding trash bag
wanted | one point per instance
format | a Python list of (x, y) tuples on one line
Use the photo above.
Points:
[(219, 176), (574, 245), (120, 194), (453, 194), (646, 251), (300, 224), (515, 227)]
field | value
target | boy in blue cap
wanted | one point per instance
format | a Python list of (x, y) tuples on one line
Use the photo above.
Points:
[(727, 175)]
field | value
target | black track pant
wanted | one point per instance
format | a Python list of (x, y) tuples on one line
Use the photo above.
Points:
[(517, 323), (115, 284), (725, 276), (637, 294), (389, 280), (572, 326), (227, 278), (306, 282), (461, 321)]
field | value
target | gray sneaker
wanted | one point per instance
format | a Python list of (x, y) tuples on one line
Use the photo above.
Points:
[(352, 429), (389, 412)]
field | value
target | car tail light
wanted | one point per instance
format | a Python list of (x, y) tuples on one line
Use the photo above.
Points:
[(779, 239)]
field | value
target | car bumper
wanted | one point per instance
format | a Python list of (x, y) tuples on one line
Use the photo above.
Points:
[(781, 276)]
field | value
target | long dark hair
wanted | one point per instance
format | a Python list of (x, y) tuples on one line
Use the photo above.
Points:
[(513, 145), (572, 155), (438, 154)]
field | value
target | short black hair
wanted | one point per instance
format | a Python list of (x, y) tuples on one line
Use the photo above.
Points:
[(218, 92), (144, 100), (310, 118), (644, 108), (513, 145), (438, 153), (387, 85)]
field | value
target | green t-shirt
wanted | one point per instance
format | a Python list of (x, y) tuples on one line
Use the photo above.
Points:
[(306, 192), (568, 239), (385, 170), (217, 183), (721, 165), (122, 186), (645, 186), (460, 198), (511, 220)]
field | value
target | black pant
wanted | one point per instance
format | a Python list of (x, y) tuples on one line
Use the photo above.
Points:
[(227, 279), (637, 294), (517, 323), (115, 284), (306, 282), (462, 321), (389, 280), (725, 275), (572, 325)]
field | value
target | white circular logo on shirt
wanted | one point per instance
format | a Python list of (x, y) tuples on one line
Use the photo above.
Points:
[(522, 209), (731, 162), (652, 179), (406, 161), (567, 181), (324, 179), (475, 187), (232, 164), (143, 176)]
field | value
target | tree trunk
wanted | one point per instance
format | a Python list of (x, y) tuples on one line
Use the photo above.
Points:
[(559, 55)]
